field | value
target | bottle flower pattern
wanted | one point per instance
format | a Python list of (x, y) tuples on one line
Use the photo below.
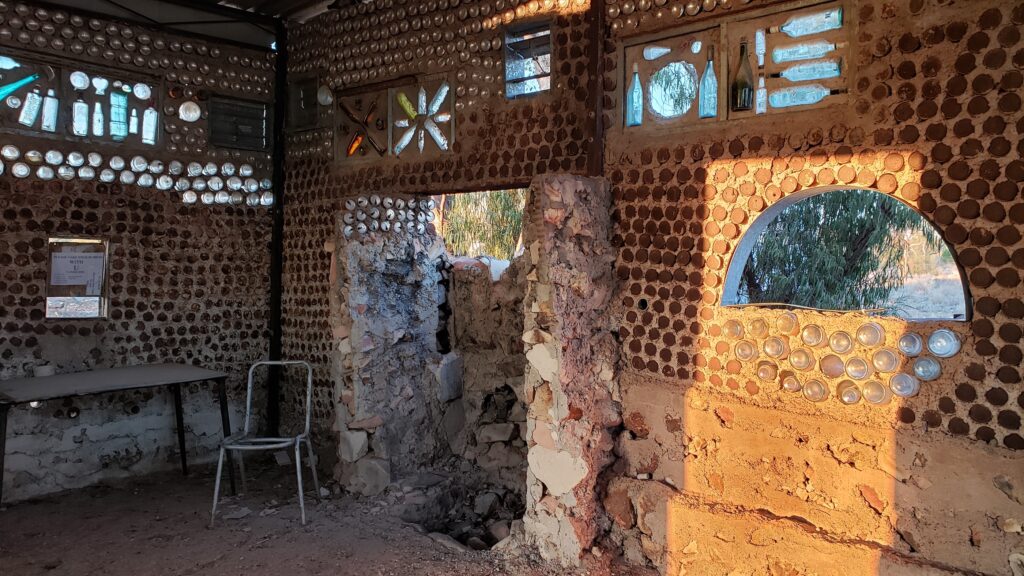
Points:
[(423, 119)]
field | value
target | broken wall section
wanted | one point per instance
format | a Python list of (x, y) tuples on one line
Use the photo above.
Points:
[(571, 379), (487, 424), (385, 314)]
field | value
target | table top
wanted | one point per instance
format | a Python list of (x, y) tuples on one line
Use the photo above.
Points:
[(33, 389)]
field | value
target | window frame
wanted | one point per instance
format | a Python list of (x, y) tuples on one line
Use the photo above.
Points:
[(104, 301), (521, 28)]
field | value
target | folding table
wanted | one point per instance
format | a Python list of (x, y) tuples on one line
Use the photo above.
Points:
[(24, 390)]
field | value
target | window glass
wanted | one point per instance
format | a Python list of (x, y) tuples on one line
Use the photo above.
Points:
[(527, 59), (850, 250), (77, 277)]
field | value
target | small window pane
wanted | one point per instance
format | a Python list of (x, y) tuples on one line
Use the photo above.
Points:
[(77, 278), (238, 124), (73, 307), (527, 60), (672, 89)]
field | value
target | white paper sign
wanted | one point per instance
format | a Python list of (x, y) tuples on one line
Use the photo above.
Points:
[(78, 269)]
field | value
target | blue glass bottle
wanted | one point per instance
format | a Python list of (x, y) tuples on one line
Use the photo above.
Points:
[(708, 106), (635, 100), (12, 87)]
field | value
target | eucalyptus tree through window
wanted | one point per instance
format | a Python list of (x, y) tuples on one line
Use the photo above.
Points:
[(848, 250)]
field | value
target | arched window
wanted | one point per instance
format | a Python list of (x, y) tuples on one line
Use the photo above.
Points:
[(847, 249)]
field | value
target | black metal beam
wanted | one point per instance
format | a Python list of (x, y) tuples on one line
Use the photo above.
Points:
[(284, 8), (277, 230), (226, 11), (161, 26)]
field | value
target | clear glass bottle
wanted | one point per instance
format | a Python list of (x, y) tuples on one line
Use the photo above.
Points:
[(133, 122), (911, 344), (819, 70), (80, 118), (50, 107), (655, 52), (904, 385), (708, 106), (800, 95), (804, 51), (943, 343), (814, 23), (98, 120), (761, 102), (848, 392), (30, 108), (760, 47), (635, 100), (149, 125), (743, 84)]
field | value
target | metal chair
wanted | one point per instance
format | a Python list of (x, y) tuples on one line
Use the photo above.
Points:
[(242, 442)]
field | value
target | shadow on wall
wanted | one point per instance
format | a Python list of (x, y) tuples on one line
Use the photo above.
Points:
[(729, 469)]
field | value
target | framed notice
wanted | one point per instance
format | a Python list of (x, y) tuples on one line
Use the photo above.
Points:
[(77, 278)]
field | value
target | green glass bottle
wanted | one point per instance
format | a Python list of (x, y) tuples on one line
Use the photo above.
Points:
[(742, 90)]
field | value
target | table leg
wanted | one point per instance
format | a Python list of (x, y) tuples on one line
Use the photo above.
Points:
[(180, 419), (225, 421), (4, 409)]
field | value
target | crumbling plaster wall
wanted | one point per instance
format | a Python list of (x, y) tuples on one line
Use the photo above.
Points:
[(186, 283), (499, 143), (721, 472), (486, 328), (571, 384), (385, 317)]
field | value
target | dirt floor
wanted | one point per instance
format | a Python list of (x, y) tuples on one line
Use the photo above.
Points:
[(157, 525)]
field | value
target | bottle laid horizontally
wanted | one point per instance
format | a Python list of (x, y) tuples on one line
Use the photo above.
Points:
[(12, 87), (805, 51), (708, 105), (742, 89), (655, 52), (813, 23), (801, 95), (819, 70)]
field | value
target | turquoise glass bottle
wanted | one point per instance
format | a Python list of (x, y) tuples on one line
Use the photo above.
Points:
[(635, 100)]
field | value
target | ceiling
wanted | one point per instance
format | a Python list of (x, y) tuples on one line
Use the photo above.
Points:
[(249, 22)]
